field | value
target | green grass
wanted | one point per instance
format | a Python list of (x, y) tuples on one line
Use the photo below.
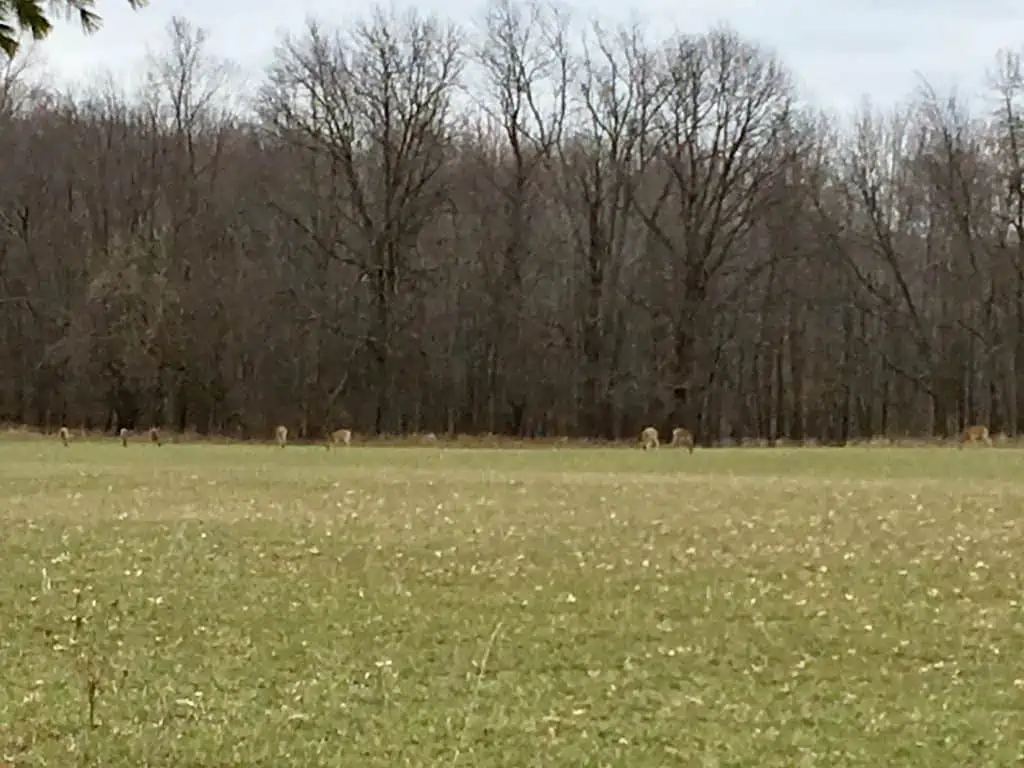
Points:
[(247, 606)]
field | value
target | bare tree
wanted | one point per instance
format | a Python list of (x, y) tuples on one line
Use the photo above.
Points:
[(376, 104), (721, 135), (957, 177), (188, 96), (619, 91), (1007, 134), (524, 56), (889, 257)]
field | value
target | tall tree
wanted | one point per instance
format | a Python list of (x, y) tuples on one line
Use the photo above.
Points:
[(526, 65), (721, 134), (375, 108)]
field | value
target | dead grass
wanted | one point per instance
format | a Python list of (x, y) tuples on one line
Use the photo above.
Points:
[(240, 605)]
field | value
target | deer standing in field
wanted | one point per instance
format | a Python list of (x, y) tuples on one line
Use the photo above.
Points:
[(682, 438), (124, 436), (64, 435), (154, 436), (975, 434), (281, 435), (649, 439), (339, 437)]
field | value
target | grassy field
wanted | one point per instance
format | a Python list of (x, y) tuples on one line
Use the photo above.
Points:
[(198, 605)]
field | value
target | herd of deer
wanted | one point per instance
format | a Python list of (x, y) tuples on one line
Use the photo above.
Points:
[(684, 438), (338, 437), (154, 436), (681, 438)]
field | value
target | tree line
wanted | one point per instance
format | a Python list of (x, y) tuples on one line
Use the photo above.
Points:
[(532, 227)]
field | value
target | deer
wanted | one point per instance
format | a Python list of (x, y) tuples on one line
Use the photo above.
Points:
[(339, 436), (65, 436), (281, 435), (124, 436), (649, 439), (154, 436), (682, 438), (975, 434)]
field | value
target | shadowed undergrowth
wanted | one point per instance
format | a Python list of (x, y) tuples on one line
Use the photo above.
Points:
[(243, 605)]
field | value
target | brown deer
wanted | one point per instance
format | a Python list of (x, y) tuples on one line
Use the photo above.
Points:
[(649, 439), (975, 434), (65, 436), (124, 436), (281, 435), (339, 436), (154, 436), (682, 438)]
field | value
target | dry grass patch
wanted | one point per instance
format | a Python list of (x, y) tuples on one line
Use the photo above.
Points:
[(240, 605)]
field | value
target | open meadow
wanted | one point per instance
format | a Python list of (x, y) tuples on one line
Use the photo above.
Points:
[(242, 605)]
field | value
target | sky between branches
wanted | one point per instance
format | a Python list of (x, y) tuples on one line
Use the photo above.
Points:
[(837, 51)]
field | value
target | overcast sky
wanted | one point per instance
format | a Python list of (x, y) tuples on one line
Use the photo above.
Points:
[(839, 51)]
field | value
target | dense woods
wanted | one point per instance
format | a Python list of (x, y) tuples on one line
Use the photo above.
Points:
[(536, 226)]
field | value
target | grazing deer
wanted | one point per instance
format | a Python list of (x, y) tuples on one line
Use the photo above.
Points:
[(682, 438), (281, 435), (339, 436), (430, 438), (154, 436), (975, 434), (124, 436), (649, 438), (64, 435)]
